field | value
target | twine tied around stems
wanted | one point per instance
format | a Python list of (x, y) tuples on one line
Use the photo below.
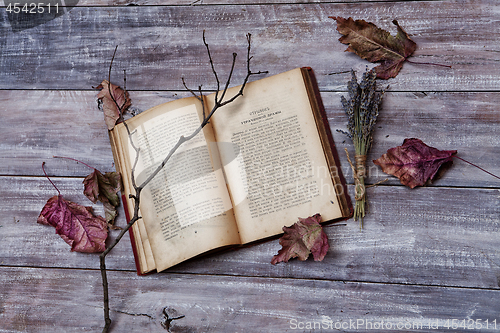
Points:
[(358, 173)]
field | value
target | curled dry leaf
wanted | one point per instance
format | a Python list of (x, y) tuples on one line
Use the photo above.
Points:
[(112, 104), (414, 163), (76, 224), (104, 188), (376, 45), (301, 239)]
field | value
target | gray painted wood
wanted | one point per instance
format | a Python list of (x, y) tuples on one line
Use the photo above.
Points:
[(82, 3), (58, 123), (160, 44), (429, 236), (27, 243), (226, 304), (73, 127)]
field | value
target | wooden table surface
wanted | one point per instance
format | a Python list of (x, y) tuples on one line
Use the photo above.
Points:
[(427, 259)]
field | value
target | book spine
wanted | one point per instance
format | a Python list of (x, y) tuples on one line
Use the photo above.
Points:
[(329, 135), (112, 139), (132, 237)]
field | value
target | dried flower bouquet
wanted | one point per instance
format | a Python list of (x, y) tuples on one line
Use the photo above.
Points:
[(362, 108)]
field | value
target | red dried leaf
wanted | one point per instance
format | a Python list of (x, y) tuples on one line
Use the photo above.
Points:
[(76, 224), (414, 163), (301, 239), (104, 188), (109, 102), (97, 185), (91, 186), (376, 45)]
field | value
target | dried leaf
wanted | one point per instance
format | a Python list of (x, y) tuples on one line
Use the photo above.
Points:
[(112, 104), (376, 45), (301, 239), (107, 185), (414, 163), (104, 188), (76, 224), (109, 212)]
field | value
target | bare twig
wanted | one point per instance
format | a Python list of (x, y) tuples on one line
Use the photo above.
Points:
[(219, 102), (166, 322)]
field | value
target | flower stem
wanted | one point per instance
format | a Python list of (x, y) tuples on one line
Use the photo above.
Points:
[(43, 168), (73, 159), (489, 173)]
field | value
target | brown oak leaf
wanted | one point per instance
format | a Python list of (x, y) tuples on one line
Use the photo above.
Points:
[(301, 239), (76, 224), (104, 188), (376, 45), (414, 163), (112, 104)]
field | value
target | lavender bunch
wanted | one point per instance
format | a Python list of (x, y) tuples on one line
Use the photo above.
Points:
[(362, 108)]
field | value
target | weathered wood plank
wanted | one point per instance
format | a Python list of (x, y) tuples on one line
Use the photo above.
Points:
[(466, 122), (206, 2), (431, 236), (159, 45), (101, 3), (445, 236), (424, 255), (55, 300), (40, 124), (21, 234)]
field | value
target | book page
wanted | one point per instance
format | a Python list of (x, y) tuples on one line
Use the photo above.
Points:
[(186, 208), (273, 157), (142, 249)]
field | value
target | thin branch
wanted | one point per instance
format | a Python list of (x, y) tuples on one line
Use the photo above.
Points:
[(202, 100), (102, 256), (191, 90), (198, 97), (125, 99), (218, 104), (249, 73), (229, 77), (165, 323), (212, 65), (182, 139), (137, 151)]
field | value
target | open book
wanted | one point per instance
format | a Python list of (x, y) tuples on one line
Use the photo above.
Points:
[(263, 161)]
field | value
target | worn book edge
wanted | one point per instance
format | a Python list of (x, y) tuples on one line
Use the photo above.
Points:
[(331, 155), (328, 143)]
